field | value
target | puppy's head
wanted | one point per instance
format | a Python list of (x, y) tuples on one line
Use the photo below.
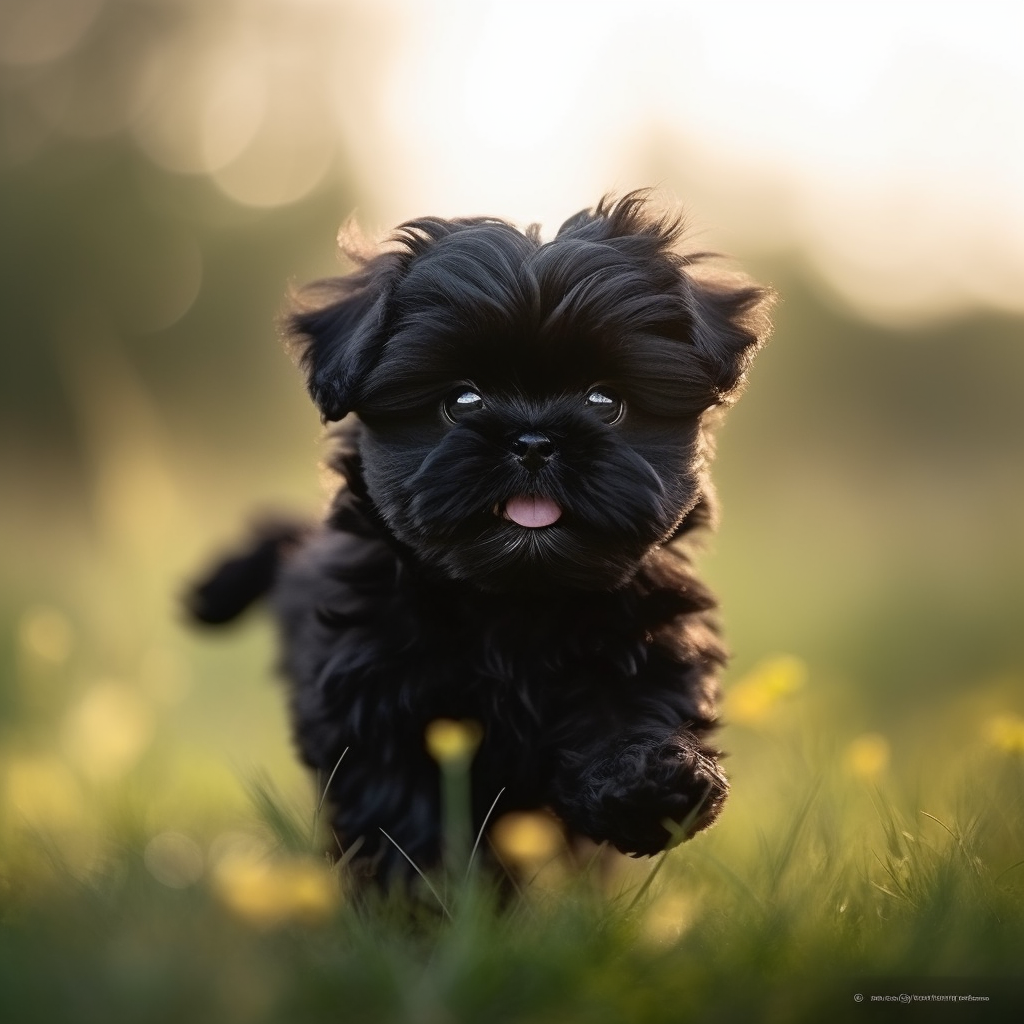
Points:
[(534, 414)]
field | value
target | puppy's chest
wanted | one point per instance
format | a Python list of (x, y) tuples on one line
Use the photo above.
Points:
[(521, 660)]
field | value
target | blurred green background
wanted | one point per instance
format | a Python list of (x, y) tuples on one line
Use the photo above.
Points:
[(170, 168)]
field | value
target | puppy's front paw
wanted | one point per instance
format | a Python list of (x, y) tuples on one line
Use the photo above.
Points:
[(625, 798)]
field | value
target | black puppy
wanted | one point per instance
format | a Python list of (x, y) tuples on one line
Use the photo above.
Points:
[(528, 457)]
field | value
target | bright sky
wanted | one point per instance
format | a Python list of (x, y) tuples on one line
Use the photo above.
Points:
[(883, 141)]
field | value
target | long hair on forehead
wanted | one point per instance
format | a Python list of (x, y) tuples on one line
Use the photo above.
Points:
[(490, 266), (613, 269)]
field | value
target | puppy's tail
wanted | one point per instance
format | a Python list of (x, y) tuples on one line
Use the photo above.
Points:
[(240, 580)]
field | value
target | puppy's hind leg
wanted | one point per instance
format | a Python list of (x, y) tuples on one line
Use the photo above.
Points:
[(240, 580)]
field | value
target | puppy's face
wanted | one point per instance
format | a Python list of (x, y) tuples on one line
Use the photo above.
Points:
[(532, 413)]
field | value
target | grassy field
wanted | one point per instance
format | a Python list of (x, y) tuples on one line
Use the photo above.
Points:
[(141, 884)]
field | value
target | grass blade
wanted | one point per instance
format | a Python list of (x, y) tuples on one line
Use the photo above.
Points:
[(480, 834), (415, 867)]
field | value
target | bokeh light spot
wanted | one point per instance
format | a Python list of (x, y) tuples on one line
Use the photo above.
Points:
[(46, 633), (867, 757), (288, 158), (234, 112), (108, 730), (268, 893), (1006, 732), (527, 839), (751, 700)]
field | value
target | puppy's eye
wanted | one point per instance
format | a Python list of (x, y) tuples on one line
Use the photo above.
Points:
[(606, 404), (461, 401)]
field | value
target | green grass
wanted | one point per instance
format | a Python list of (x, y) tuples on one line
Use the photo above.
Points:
[(159, 858), (779, 913)]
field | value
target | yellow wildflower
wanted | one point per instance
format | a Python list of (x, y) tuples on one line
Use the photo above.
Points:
[(867, 756), (527, 838), (268, 893), (752, 699), (449, 740), (1006, 732)]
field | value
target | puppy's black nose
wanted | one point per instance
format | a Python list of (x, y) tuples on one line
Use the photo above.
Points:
[(533, 450)]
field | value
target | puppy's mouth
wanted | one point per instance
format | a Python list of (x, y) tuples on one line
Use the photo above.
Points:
[(530, 510)]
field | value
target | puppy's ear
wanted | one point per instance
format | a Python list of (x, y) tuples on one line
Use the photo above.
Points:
[(728, 323), (337, 329), (724, 316)]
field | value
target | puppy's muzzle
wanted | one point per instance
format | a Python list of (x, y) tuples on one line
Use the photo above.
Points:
[(533, 450)]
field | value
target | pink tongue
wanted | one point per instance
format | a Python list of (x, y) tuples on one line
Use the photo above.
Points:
[(532, 511)]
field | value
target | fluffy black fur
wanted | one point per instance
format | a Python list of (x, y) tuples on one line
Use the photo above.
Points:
[(590, 369)]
